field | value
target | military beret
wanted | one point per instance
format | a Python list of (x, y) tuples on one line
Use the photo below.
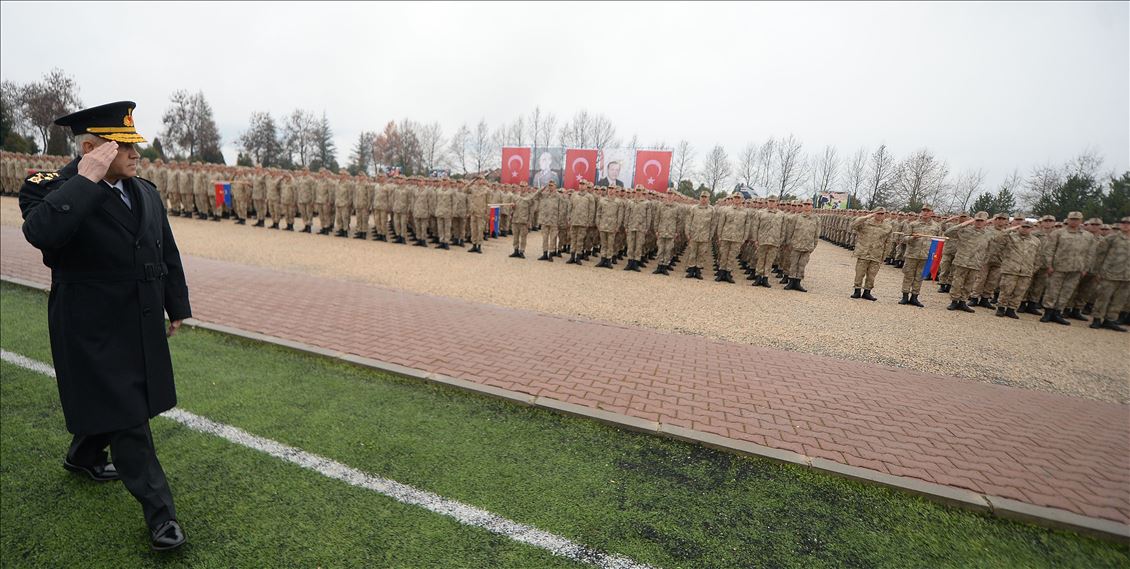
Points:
[(982, 215), (112, 121), (1075, 215), (1047, 218), (1094, 221)]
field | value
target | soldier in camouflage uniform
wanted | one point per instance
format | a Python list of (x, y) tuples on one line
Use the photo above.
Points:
[(916, 240), (305, 199), (1112, 263), (972, 244), (1039, 282), (699, 229), (1019, 251), (1067, 256)]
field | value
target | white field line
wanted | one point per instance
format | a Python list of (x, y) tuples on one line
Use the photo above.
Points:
[(463, 513)]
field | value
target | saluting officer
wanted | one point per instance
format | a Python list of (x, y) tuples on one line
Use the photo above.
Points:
[(115, 272)]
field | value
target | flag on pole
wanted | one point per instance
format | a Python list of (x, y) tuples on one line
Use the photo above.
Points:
[(495, 216), (580, 165), (223, 194), (515, 165), (653, 169), (933, 259)]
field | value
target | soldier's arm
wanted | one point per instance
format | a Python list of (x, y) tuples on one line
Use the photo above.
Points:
[(1049, 250)]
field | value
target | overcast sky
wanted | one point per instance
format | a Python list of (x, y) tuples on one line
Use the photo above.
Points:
[(984, 85)]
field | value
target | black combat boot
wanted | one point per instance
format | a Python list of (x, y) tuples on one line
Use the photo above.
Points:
[(443, 246), (727, 277), (660, 270), (275, 225), (690, 273), (905, 298), (307, 229), (514, 255), (857, 294), (1096, 323), (765, 282), (1124, 318), (867, 295), (954, 305), (797, 287), (784, 278), (899, 263), (479, 248), (544, 256), (1074, 314), (1058, 318), (356, 234), (290, 227), (962, 306), (698, 273), (941, 289), (789, 285), (1033, 309), (1011, 314), (259, 223), (1113, 325), (341, 233), (984, 302), (1000, 312), (240, 221), (1088, 308), (915, 302)]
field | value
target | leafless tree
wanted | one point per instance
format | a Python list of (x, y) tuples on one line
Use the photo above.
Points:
[(1042, 181), (855, 175), (603, 133), (791, 166), (189, 129), (747, 165), (919, 178), (483, 152), (433, 146), (879, 171), (969, 184), (1086, 164), (716, 169), (43, 101), (516, 134), (549, 127), (764, 176), (299, 137), (460, 148), (825, 170), (681, 160)]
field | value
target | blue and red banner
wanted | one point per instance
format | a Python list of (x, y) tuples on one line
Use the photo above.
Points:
[(493, 220), (933, 259), (223, 194)]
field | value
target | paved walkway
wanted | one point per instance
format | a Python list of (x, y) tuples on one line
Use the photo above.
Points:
[(1033, 447)]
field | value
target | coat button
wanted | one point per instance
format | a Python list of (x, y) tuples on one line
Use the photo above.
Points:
[(145, 311), (66, 207)]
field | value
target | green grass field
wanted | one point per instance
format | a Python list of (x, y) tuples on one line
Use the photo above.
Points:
[(661, 502)]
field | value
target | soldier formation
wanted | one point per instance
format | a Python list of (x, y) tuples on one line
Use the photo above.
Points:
[(1071, 269)]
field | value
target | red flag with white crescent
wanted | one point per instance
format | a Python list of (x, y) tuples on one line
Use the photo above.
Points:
[(579, 165), (515, 165), (653, 168)]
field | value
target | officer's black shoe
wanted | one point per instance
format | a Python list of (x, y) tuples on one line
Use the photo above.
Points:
[(98, 472), (166, 536), (905, 298), (1097, 323), (727, 277), (867, 295), (858, 293), (914, 301), (514, 255), (544, 257), (1074, 314), (1000, 312), (1058, 319), (954, 305), (1113, 325), (240, 221), (1011, 314)]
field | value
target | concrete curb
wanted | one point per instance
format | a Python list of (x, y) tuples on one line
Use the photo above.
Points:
[(947, 495)]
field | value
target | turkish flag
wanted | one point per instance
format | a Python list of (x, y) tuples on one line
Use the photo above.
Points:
[(515, 165), (653, 169), (579, 165)]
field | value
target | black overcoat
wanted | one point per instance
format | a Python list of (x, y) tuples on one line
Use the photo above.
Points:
[(114, 275)]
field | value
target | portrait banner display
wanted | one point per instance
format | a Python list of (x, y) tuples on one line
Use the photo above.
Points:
[(580, 165), (615, 165), (832, 200), (653, 169), (515, 165), (547, 164)]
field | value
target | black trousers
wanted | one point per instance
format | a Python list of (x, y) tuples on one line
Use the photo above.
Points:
[(137, 465)]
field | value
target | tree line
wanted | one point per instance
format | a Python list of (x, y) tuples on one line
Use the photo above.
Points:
[(779, 166)]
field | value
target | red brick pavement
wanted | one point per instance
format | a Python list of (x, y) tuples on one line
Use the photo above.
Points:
[(1034, 447)]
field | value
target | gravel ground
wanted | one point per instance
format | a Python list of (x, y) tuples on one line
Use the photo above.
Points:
[(1074, 361)]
